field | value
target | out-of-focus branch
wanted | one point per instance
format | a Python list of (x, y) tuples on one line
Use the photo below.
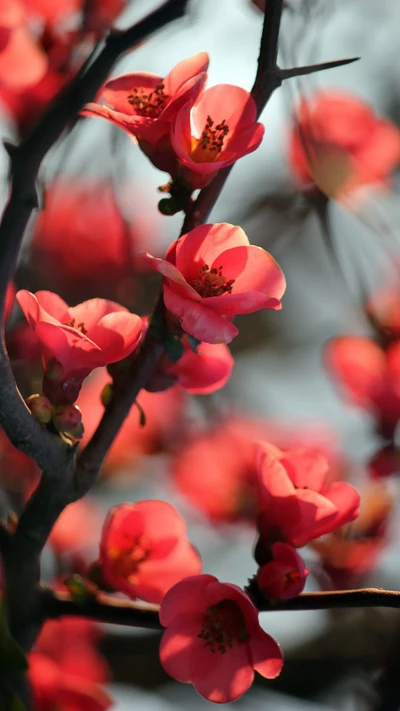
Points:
[(25, 160), (107, 608)]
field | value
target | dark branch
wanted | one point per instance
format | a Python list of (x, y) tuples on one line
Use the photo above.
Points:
[(25, 161), (107, 608)]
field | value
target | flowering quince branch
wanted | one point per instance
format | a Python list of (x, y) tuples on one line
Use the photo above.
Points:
[(144, 551), (56, 459), (107, 608), (26, 158)]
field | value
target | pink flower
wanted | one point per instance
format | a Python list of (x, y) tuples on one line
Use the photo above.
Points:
[(340, 144), (226, 129), (213, 639), (296, 503), (22, 61), (82, 244), (82, 337), (368, 375), (53, 688), (213, 273), (144, 550), (285, 576), (205, 371), (144, 105), (66, 670)]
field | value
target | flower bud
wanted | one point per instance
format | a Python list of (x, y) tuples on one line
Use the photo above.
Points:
[(68, 418), (40, 407)]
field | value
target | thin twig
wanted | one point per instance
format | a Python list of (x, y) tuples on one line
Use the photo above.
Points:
[(107, 608)]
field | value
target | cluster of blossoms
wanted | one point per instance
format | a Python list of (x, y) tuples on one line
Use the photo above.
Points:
[(213, 637), (368, 372), (184, 129), (42, 45)]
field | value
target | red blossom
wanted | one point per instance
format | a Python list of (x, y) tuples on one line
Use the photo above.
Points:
[(368, 375), (213, 273), (352, 552), (144, 550), (65, 669), (339, 144), (216, 471), (22, 61), (164, 419), (53, 688), (226, 129), (205, 371), (213, 639), (81, 243), (145, 104), (285, 576), (296, 503), (77, 527), (82, 337)]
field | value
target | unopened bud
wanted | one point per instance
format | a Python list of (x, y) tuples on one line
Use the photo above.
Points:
[(68, 418), (170, 206), (41, 408)]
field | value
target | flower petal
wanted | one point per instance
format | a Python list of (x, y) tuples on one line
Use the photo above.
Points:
[(266, 655), (204, 245), (199, 321), (185, 70), (185, 598), (222, 678), (117, 334), (225, 102)]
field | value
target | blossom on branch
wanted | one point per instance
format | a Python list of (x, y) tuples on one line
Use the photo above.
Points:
[(144, 550), (145, 104), (285, 576), (296, 503), (77, 339), (339, 144), (203, 371), (226, 129), (214, 640), (213, 273)]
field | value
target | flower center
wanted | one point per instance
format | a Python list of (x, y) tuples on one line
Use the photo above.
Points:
[(79, 326), (149, 105), (209, 146), (292, 577), (223, 624), (211, 282), (126, 563)]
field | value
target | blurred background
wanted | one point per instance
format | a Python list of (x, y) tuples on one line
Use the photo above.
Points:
[(340, 253)]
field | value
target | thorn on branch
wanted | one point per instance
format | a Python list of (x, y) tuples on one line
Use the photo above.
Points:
[(312, 68)]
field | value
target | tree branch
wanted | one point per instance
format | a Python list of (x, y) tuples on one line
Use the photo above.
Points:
[(22, 430), (107, 608)]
